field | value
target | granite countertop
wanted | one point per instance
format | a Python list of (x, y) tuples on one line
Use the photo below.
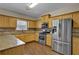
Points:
[(9, 41)]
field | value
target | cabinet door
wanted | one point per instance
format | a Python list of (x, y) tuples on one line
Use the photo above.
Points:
[(29, 37), (76, 20), (31, 24), (50, 23), (57, 18), (26, 37), (67, 16), (4, 21), (75, 45), (39, 23), (1, 21), (12, 22), (36, 36), (21, 37), (48, 40), (7, 22)]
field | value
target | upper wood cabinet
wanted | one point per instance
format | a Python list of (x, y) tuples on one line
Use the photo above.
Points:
[(50, 23), (76, 20), (38, 24), (7, 22), (31, 24), (45, 19), (67, 16), (56, 18), (4, 21), (12, 22)]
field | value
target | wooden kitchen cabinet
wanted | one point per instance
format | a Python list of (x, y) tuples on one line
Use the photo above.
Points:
[(57, 18), (50, 23), (46, 19), (26, 37), (48, 39), (7, 22), (21, 36), (75, 45), (29, 37), (76, 20), (31, 24), (12, 22), (4, 21), (36, 36), (67, 16)]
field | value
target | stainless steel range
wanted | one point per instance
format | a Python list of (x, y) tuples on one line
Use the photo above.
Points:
[(42, 34)]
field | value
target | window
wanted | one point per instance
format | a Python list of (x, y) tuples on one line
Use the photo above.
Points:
[(21, 25)]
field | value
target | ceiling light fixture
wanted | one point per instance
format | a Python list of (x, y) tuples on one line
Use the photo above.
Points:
[(31, 5)]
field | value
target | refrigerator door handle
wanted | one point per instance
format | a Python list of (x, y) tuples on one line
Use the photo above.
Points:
[(59, 34)]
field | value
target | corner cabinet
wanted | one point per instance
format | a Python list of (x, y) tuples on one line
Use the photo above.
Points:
[(76, 20), (7, 22)]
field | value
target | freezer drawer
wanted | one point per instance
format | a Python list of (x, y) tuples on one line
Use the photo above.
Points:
[(67, 49), (63, 48), (60, 48), (54, 46), (57, 46)]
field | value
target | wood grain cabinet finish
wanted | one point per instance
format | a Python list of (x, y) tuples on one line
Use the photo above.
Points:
[(12, 22), (36, 36), (7, 22), (48, 39), (31, 24), (76, 45), (67, 16), (4, 21), (50, 23), (26, 37), (76, 20)]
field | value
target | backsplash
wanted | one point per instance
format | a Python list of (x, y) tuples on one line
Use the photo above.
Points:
[(15, 32)]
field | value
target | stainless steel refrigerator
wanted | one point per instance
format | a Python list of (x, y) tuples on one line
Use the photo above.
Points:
[(62, 36)]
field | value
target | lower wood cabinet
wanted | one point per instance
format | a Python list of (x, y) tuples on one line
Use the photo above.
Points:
[(26, 37), (36, 36), (76, 45), (48, 39)]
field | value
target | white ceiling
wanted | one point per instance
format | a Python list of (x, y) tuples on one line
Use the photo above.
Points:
[(37, 11)]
